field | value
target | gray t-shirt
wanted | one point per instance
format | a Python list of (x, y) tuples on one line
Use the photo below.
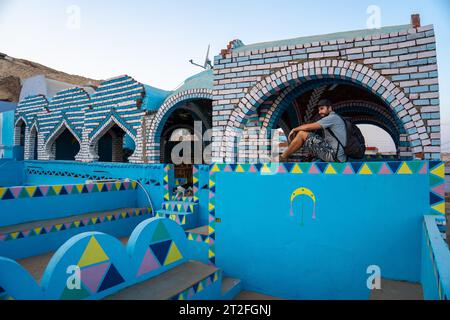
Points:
[(337, 125)]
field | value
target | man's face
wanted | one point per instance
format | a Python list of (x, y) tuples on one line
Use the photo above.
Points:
[(324, 111)]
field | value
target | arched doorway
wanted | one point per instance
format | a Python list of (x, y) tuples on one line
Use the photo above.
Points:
[(113, 144), (350, 100), (33, 143), (277, 87), (66, 146), (19, 138), (182, 140)]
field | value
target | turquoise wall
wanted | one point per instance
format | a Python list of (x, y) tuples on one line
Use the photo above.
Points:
[(365, 214)]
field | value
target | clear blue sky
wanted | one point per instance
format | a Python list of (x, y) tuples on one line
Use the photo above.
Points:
[(153, 40)]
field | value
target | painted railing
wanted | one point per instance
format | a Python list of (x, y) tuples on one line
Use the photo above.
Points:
[(435, 275), (94, 265)]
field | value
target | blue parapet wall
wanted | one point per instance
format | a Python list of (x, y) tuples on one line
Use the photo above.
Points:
[(152, 177), (435, 275), (104, 265), (23, 204), (344, 218)]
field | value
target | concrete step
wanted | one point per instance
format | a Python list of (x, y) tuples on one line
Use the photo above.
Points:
[(231, 287), (36, 265), (168, 284), (397, 290)]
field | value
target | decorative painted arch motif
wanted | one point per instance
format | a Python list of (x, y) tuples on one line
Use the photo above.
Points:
[(113, 116), (113, 119), (297, 74)]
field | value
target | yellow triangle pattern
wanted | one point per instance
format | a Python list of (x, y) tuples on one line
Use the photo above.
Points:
[(200, 287), (58, 226), (211, 183), (265, 169), (57, 189), (439, 171), (330, 170), (2, 192), (239, 169), (215, 168), (404, 169), (173, 255), (79, 187), (210, 254), (92, 254), (439, 207), (365, 169), (296, 169), (30, 190)]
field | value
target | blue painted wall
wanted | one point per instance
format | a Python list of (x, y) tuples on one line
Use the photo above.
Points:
[(23, 210), (11, 173), (7, 128), (435, 276), (150, 176), (362, 220)]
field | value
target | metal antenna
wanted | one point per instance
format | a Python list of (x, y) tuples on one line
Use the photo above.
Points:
[(207, 64)]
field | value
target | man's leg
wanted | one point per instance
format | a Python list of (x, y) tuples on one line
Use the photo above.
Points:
[(296, 144)]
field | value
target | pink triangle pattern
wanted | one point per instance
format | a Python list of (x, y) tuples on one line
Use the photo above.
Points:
[(92, 276), (424, 169), (69, 188), (348, 170), (16, 191), (439, 190), (149, 263), (384, 169), (44, 190), (313, 169), (252, 169)]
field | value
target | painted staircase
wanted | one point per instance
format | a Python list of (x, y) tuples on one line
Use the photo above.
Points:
[(184, 211)]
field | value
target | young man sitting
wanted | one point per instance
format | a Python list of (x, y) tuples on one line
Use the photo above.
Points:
[(328, 148)]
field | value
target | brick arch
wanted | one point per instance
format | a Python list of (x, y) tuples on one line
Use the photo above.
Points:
[(297, 74), (167, 108), (100, 132), (47, 149)]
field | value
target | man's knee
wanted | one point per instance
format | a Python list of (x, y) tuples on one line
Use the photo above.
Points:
[(302, 135)]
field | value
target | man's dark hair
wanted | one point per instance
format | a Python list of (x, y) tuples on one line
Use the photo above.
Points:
[(324, 102)]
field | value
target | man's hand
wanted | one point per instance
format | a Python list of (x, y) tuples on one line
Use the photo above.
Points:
[(292, 134)]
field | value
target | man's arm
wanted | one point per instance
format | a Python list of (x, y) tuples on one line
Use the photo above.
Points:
[(304, 127)]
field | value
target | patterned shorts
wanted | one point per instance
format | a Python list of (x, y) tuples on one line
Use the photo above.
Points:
[(319, 148)]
